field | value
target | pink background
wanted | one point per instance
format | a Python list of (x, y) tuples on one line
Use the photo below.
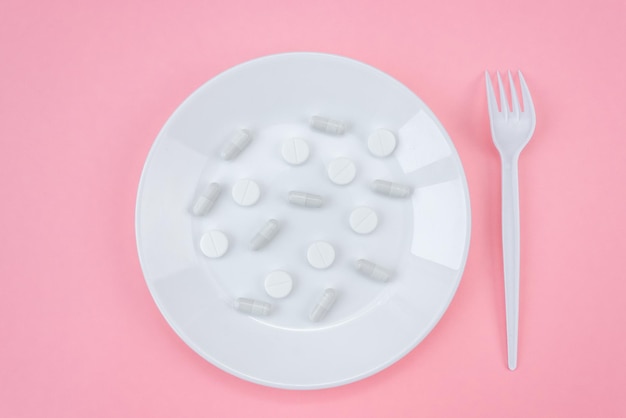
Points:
[(85, 88)]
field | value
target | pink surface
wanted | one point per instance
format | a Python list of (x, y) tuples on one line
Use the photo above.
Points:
[(85, 88)]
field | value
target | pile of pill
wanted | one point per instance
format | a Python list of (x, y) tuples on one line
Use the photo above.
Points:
[(320, 255)]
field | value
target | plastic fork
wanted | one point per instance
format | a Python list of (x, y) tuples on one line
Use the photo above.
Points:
[(511, 129)]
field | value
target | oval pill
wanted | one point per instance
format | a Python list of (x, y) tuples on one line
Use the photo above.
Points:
[(363, 220), (265, 235), (372, 270), (320, 254), (235, 144), (246, 192), (253, 306), (328, 125), (388, 188), (381, 143), (323, 306), (341, 171), (278, 284), (206, 199), (295, 151), (214, 244), (307, 200)]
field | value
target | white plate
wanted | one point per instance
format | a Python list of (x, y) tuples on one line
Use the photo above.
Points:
[(424, 239)]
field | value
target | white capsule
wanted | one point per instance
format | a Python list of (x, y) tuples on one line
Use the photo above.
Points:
[(391, 189), (295, 151), (265, 235), (253, 307), (341, 171), (323, 306), (206, 199), (374, 271), (307, 200), (233, 147), (330, 126)]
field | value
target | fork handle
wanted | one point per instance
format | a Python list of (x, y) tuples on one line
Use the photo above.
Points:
[(511, 253)]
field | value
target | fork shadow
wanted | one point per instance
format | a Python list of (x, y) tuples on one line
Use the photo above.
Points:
[(482, 164)]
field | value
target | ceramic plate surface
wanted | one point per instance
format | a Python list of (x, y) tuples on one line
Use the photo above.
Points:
[(422, 239)]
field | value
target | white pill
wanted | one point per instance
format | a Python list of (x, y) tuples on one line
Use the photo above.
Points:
[(214, 244), (278, 284), (323, 306), (265, 235), (341, 171), (307, 200), (246, 192), (363, 220), (235, 144), (320, 254), (295, 151), (253, 307), (330, 126), (206, 199), (372, 270), (381, 143), (391, 189)]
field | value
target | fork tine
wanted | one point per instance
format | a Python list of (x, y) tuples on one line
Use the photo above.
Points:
[(514, 101), (504, 104), (491, 96), (528, 101)]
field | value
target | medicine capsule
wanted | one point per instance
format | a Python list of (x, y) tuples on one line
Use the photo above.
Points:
[(374, 271), (206, 199), (323, 306), (330, 126), (253, 306), (307, 200), (391, 189), (236, 144), (265, 235)]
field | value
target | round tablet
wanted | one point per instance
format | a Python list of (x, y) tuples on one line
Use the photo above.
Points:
[(320, 254), (341, 171), (214, 244), (381, 143), (246, 192), (295, 151), (278, 284), (363, 220)]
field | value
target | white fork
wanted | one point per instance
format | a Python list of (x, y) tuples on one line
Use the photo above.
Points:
[(511, 129)]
